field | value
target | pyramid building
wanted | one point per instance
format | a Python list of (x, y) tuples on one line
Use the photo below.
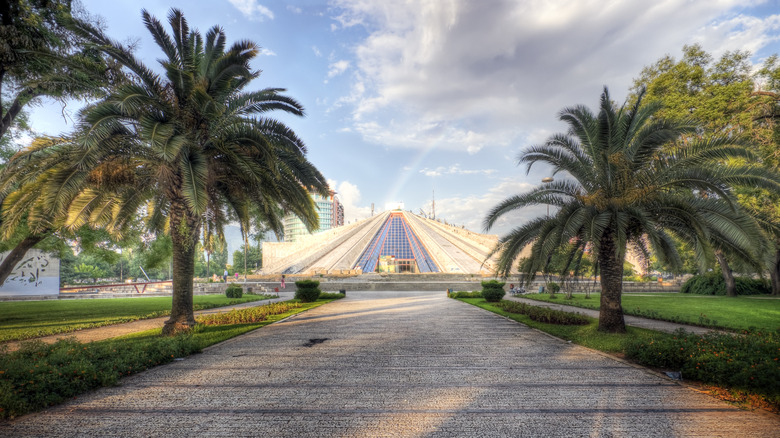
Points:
[(394, 241)]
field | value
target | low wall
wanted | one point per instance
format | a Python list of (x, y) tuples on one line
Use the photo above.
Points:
[(368, 282), (335, 286)]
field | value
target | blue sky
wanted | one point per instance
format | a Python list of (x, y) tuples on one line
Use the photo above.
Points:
[(404, 98)]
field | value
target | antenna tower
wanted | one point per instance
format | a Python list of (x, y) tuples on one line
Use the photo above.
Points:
[(433, 204)]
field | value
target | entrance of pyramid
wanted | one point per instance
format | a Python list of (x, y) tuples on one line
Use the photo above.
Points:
[(393, 265)]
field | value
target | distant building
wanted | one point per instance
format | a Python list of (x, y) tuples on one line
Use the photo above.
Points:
[(331, 214), (339, 212)]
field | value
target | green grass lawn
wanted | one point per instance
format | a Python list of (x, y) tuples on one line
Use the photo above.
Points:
[(585, 335), (21, 320), (734, 313)]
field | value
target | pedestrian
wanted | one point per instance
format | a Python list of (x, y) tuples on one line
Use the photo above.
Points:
[(224, 275), (236, 275), (282, 282)]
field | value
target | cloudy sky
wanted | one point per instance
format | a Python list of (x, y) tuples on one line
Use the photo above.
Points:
[(409, 98)]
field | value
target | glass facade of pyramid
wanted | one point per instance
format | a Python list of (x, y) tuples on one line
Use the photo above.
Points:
[(396, 248)]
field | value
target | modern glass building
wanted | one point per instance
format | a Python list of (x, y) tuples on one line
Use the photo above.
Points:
[(331, 214), (396, 248)]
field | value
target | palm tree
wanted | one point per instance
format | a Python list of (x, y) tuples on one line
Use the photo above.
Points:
[(177, 147), (632, 180)]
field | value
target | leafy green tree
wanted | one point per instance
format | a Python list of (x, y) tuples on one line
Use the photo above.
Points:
[(200, 262), (767, 203), (213, 240), (95, 248), (40, 56), (631, 180), (177, 146), (253, 259), (92, 272), (157, 255), (720, 95), (219, 260), (215, 247), (10, 142)]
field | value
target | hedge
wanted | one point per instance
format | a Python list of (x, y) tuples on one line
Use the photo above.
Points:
[(712, 283)]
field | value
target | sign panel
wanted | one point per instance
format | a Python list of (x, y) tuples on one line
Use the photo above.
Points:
[(37, 274)]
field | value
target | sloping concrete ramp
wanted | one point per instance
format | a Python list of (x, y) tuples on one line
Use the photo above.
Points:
[(453, 249)]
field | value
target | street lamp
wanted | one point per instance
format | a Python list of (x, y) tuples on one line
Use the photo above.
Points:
[(545, 181)]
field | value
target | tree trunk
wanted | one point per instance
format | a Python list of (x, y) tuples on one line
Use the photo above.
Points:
[(611, 267), (774, 273), (184, 237), (728, 276), (16, 255)]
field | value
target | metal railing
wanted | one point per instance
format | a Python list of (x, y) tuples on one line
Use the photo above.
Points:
[(96, 288)]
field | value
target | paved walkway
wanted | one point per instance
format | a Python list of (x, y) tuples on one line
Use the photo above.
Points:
[(396, 364)]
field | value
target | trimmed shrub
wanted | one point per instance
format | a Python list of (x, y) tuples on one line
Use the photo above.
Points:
[(234, 291), (307, 290), (712, 283), (331, 296), (493, 291), (553, 287), (543, 314), (745, 361), (463, 294)]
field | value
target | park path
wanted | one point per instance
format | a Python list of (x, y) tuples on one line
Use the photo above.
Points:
[(413, 364)]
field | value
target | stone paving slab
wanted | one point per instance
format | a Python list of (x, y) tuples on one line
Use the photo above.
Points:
[(396, 364)]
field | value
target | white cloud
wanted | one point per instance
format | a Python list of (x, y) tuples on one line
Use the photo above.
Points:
[(337, 68), (316, 51), (471, 210), (267, 52), (422, 133), (349, 196), (493, 76), (455, 170), (742, 32), (294, 9), (252, 10)]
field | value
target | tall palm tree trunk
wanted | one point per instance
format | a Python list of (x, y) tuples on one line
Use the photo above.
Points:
[(184, 238), (611, 267), (728, 275), (774, 273)]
